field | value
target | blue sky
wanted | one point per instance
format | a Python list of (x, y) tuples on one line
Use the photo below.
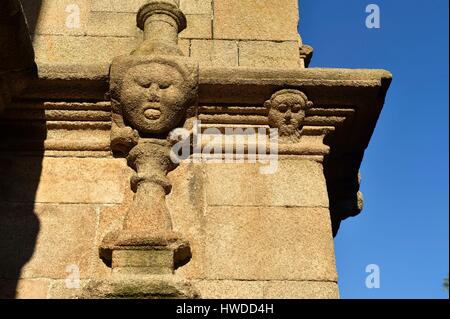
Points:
[(405, 178)]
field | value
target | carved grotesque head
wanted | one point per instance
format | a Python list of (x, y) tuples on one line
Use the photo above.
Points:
[(155, 95), (287, 110)]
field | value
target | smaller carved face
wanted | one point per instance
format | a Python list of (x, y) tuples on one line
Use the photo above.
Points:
[(287, 112), (153, 97)]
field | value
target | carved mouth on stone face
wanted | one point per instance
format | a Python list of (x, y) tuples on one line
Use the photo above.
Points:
[(152, 111)]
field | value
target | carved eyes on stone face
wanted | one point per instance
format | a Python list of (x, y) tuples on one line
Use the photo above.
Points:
[(283, 108), (296, 108), (149, 84), (164, 86)]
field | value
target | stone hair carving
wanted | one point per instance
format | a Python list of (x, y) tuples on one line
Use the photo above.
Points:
[(287, 109)]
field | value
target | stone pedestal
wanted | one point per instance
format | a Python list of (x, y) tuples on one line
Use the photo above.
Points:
[(139, 287)]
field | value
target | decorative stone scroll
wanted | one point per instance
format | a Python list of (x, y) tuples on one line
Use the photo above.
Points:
[(150, 90)]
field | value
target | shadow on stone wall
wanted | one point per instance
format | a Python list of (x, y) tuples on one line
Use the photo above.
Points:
[(16, 51), (31, 10), (21, 150), (21, 155)]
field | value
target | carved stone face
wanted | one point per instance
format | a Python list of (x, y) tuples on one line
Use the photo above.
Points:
[(287, 112), (153, 97)]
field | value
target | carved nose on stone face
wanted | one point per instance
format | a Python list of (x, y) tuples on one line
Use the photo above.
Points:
[(288, 114), (153, 93)]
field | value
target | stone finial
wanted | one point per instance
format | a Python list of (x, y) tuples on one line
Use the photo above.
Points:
[(287, 110), (161, 21)]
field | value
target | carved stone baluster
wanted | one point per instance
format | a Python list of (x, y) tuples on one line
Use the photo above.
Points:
[(151, 89)]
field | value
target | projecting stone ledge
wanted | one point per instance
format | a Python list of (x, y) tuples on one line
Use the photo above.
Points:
[(69, 80), (347, 101), (139, 287)]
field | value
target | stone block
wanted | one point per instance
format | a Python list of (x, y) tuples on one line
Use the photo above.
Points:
[(229, 289), (186, 207), (296, 183), (269, 54), (113, 24), (301, 290), (185, 46), (131, 6), (58, 17), (60, 289), (110, 219), (128, 286), (215, 52), (148, 261), (247, 243), (196, 6), (44, 240), (63, 180), (256, 20), (83, 50), (24, 289), (199, 26)]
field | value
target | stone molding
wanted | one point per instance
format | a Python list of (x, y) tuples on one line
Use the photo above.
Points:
[(346, 102)]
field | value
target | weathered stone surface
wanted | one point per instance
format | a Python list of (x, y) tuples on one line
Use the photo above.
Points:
[(247, 243), (185, 46), (230, 289), (140, 287), (66, 289), (256, 20), (63, 180), (260, 289), (215, 52), (147, 261), (62, 17), (68, 49), (62, 235), (196, 6), (300, 290), (269, 54), (186, 204), (25, 289), (117, 5), (199, 26), (110, 219), (296, 183), (113, 25)]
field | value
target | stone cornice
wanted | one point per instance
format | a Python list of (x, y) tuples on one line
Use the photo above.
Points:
[(347, 102), (66, 80)]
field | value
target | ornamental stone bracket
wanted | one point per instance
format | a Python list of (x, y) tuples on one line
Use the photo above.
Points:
[(151, 90)]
